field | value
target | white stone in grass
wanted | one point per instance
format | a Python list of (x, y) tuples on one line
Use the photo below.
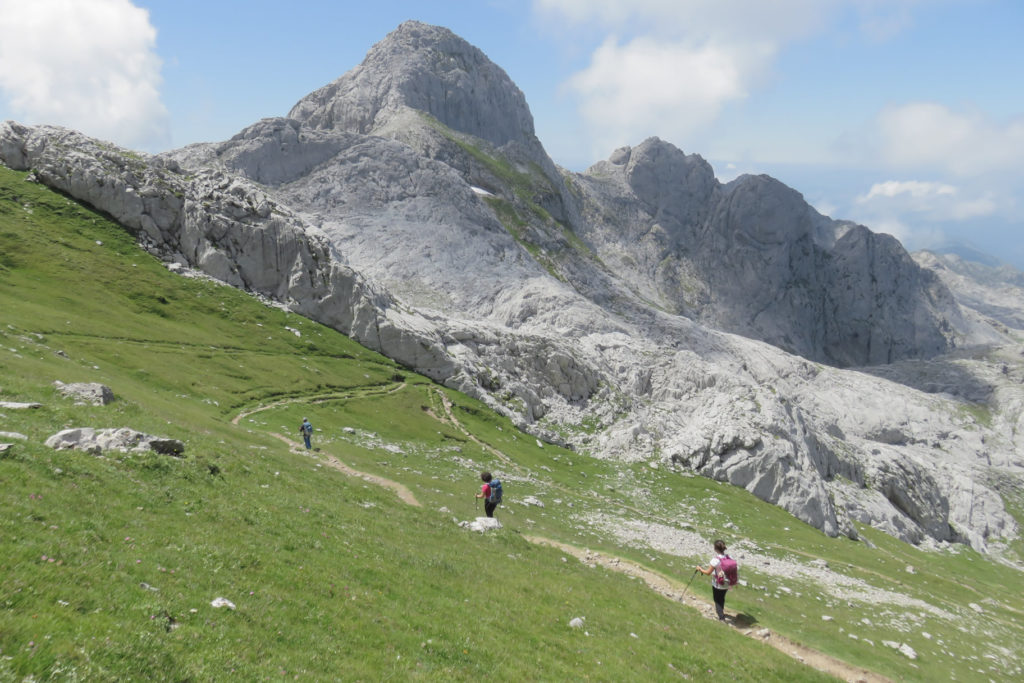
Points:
[(976, 607), (577, 622), (86, 392), (531, 500), (903, 648), (17, 405), (13, 435), (481, 524), (222, 602), (825, 617)]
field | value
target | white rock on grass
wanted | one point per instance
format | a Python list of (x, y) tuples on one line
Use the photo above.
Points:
[(17, 405), (531, 500), (907, 651), (481, 524), (222, 602), (577, 622), (86, 392), (121, 439), (903, 648), (13, 435)]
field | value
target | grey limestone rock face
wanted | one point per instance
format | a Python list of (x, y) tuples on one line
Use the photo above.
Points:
[(992, 292), (752, 257), (226, 227)]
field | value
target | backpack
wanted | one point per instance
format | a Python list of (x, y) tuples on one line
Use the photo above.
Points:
[(495, 496), (731, 569)]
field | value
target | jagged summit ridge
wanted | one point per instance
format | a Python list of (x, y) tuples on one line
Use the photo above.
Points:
[(752, 257), (429, 69)]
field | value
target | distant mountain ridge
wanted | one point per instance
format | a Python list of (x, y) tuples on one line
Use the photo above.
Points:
[(598, 309)]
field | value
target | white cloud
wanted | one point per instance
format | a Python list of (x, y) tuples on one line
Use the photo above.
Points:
[(921, 134), (696, 20), (673, 66), (932, 201), (912, 237), (914, 188), (85, 64), (651, 87), (883, 20)]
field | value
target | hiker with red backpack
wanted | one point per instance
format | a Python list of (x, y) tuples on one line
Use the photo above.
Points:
[(724, 575), (490, 491)]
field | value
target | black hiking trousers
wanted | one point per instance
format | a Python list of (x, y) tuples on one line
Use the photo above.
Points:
[(489, 508), (719, 595)]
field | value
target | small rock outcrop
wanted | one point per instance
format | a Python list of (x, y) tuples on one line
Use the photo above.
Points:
[(122, 439), (86, 392)]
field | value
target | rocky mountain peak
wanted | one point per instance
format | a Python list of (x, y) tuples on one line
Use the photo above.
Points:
[(664, 176), (429, 69)]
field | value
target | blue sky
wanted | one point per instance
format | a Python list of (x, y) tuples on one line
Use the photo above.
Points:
[(905, 115)]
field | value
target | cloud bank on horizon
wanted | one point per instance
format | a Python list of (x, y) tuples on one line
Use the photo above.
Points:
[(734, 80)]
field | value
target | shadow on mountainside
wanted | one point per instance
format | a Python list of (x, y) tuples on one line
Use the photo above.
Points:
[(943, 375)]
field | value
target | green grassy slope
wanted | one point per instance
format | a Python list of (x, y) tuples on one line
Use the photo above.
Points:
[(108, 564)]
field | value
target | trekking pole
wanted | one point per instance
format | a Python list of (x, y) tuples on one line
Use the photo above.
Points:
[(688, 584)]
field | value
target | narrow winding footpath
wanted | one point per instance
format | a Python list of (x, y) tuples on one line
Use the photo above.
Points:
[(669, 588)]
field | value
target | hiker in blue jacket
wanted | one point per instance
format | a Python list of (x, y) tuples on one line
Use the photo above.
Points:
[(307, 431)]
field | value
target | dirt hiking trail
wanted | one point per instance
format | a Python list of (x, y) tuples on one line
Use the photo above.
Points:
[(403, 492), (670, 589), (674, 590)]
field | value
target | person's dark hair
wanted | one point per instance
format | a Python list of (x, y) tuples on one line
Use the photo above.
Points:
[(719, 546), (486, 476)]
